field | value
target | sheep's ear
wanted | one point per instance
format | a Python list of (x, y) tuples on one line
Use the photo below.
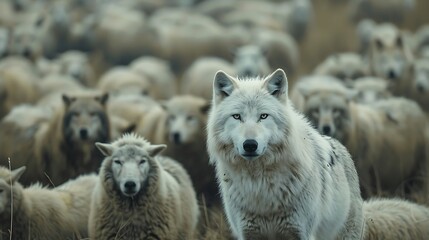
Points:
[(163, 104), (277, 84), (68, 100), (17, 173), (154, 150), (223, 85), (105, 148), (103, 98)]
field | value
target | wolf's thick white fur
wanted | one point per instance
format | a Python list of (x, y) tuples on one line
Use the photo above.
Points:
[(297, 184)]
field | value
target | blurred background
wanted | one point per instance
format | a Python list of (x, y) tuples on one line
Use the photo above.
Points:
[(76, 72)]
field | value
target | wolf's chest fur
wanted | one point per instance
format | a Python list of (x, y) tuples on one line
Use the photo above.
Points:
[(267, 194)]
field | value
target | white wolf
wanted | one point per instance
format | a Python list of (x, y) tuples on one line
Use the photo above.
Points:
[(279, 178)]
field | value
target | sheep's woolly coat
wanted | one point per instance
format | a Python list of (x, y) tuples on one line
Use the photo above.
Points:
[(395, 219), (41, 213), (164, 208)]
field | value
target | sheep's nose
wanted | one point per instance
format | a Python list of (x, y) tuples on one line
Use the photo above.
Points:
[(130, 186)]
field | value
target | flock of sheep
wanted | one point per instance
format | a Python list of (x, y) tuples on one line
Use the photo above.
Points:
[(81, 81)]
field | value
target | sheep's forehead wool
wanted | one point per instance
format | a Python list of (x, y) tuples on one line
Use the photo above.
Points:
[(131, 139), (130, 152)]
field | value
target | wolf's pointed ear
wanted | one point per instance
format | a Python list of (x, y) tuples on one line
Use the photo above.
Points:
[(205, 108), (379, 44), (68, 100), (105, 148), (154, 150), (163, 104), (277, 84), (103, 98), (223, 85), (17, 173), (351, 94), (399, 41)]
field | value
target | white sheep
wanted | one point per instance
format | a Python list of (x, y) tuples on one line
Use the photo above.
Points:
[(41, 213), (395, 219), (141, 195)]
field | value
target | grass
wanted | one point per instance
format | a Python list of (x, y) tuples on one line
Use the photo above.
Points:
[(11, 202)]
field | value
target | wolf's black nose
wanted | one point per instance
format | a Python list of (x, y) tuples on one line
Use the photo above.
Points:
[(391, 74), (420, 88), (326, 130), (250, 145), (130, 185), (176, 137), (83, 133)]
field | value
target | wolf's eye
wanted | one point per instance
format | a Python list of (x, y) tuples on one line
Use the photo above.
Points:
[(236, 116), (74, 114), (142, 161), (338, 111), (117, 162), (1, 190), (263, 116)]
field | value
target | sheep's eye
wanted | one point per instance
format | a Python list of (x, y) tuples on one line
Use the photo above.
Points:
[(142, 161), (190, 118), (117, 162), (236, 116), (264, 116)]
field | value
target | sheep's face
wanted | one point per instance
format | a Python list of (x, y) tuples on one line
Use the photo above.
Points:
[(4, 195), (6, 179), (130, 165)]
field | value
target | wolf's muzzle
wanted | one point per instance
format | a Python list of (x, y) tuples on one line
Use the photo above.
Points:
[(250, 146)]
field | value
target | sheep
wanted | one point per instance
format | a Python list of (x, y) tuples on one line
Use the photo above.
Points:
[(395, 219), (140, 195), (41, 213), (158, 72)]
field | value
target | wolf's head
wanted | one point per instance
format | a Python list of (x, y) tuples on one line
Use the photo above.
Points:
[(85, 119), (128, 162), (250, 61), (390, 56), (328, 110), (345, 66), (421, 77), (371, 89), (186, 118), (76, 64), (27, 39), (6, 178), (249, 115)]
